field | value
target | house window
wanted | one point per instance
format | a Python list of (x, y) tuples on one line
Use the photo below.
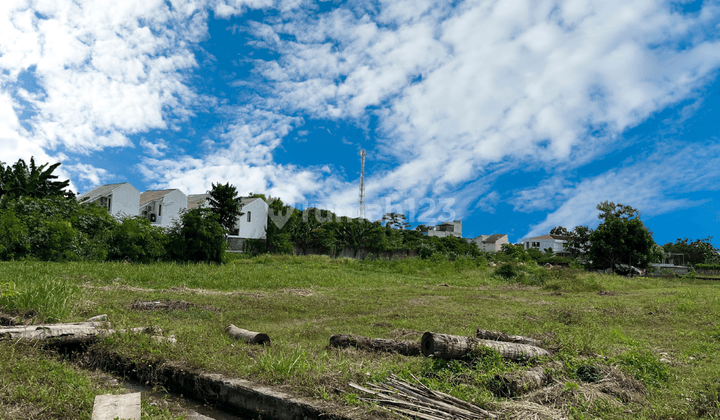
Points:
[(536, 244), (109, 203), (249, 217), (160, 210)]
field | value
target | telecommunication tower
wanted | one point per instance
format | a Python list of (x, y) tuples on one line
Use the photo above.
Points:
[(361, 207)]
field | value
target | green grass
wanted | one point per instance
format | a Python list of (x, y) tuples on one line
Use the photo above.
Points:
[(301, 301)]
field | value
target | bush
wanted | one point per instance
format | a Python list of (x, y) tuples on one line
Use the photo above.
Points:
[(136, 240), (198, 237)]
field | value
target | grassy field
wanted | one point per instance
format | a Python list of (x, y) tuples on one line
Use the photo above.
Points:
[(663, 332)]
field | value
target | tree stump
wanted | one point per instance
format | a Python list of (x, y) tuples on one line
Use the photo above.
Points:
[(406, 348), (448, 347), (250, 337), (513, 384), (501, 336)]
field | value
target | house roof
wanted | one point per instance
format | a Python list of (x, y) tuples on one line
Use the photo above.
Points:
[(493, 238), (561, 237), (195, 200), (151, 195), (100, 191)]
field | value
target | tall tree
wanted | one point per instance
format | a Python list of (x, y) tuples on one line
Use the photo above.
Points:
[(621, 238), (225, 203), (395, 221), (559, 230), (23, 180)]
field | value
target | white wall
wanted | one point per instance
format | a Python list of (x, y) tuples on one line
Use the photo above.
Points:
[(257, 226), (124, 201), (557, 245), (172, 203)]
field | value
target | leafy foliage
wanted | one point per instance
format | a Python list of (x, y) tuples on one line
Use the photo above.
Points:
[(225, 203), (699, 251), (198, 236), (136, 240), (23, 180), (621, 239)]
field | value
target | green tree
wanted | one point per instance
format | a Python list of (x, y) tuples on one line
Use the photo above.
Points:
[(699, 251), (621, 238), (579, 242), (395, 221), (226, 204), (136, 240), (23, 180), (559, 230), (198, 236)]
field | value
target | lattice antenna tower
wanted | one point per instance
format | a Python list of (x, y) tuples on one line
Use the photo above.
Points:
[(361, 200)]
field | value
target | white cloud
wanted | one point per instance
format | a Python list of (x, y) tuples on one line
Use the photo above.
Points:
[(92, 175), (155, 150), (542, 83), (653, 186)]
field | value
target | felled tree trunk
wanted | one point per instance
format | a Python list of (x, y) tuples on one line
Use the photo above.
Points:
[(447, 347), (250, 337), (512, 384), (501, 336), (406, 348), (80, 332)]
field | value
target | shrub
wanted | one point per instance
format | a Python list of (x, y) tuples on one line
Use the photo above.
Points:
[(197, 237), (136, 240)]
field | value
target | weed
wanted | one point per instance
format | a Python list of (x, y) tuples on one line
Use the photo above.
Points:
[(645, 367), (707, 402)]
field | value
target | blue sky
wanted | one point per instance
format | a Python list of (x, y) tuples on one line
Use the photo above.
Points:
[(514, 116)]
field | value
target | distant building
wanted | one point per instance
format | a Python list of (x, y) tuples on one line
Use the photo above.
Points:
[(491, 243), (442, 230), (162, 207), (251, 224), (558, 243), (119, 199)]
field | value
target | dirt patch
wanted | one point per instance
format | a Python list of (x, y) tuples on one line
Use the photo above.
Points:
[(161, 305), (607, 293), (299, 292), (382, 325), (512, 299)]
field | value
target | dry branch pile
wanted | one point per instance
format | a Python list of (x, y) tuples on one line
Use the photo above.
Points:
[(420, 402)]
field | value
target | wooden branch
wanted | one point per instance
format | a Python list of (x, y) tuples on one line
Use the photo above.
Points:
[(406, 348), (448, 347), (402, 397), (501, 336), (250, 337)]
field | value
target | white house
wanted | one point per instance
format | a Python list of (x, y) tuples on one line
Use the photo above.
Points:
[(491, 243), (442, 230), (251, 224), (558, 243), (119, 199), (162, 207)]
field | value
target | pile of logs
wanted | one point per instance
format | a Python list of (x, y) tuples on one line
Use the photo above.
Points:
[(420, 401)]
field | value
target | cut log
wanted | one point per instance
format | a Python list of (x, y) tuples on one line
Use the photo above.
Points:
[(98, 318), (513, 384), (501, 336), (250, 337), (448, 347), (79, 332), (406, 348)]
